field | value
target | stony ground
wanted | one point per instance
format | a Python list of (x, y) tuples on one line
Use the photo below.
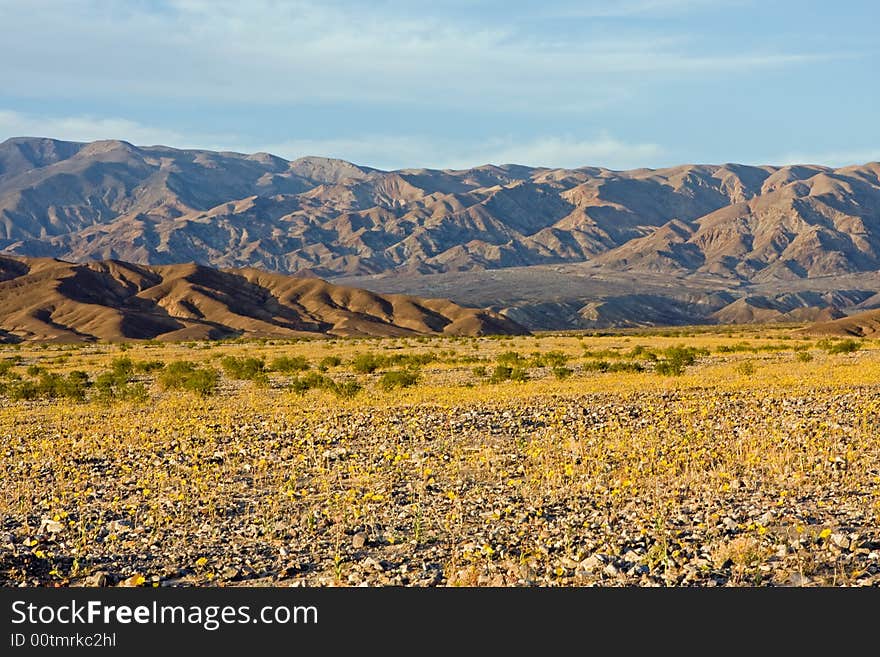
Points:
[(697, 486)]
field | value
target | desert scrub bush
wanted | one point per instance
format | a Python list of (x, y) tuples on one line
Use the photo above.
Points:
[(804, 356), (6, 366), (480, 371), (116, 385), (507, 373), (186, 375), (22, 390), (746, 368), (555, 358), (640, 351), (398, 379), (329, 361), (287, 364), (367, 363), (34, 370), (314, 381), (409, 360), (346, 389), (510, 359), (605, 366), (310, 381), (675, 359), (839, 346), (243, 369), (148, 366), (561, 372)]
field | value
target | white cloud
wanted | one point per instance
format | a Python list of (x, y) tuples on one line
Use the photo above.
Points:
[(568, 152), (839, 158), (86, 128), (623, 8), (380, 151), (396, 152), (270, 52)]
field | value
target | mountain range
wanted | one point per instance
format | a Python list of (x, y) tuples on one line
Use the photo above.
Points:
[(550, 248)]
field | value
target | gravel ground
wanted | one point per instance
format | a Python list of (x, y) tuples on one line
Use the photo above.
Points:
[(686, 488)]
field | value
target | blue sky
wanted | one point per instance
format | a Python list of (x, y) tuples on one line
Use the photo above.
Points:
[(393, 83)]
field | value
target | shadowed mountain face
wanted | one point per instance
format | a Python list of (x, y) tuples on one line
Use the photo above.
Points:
[(46, 299), (741, 225)]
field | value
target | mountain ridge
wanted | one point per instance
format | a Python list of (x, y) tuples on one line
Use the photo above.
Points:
[(745, 225)]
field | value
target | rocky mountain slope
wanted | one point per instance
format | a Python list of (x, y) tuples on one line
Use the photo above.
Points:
[(47, 299), (740, 225)]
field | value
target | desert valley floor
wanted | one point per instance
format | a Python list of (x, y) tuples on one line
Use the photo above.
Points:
[(693, 456)]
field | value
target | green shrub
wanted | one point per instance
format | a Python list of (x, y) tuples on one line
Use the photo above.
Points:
[(148, 366), (243, 369), (367, 363), (510, 358), (804, 356), (289, 364), (409, 360), (507, 373), (328, 362), (315, 381), (311, 381), (202, 381), (185, 375), (398, 379), (676, 359), (346, 389), (122, 366), (555, 358), (746, 368), (34, 370), (840, 346), (116, 385), (22, 390), (480, 370), (561, 372)]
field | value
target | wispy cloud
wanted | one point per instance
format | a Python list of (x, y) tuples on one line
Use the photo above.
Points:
[(92, 128), (629, 8), (268, 52), (836, 158), (383, 151), (403, 151)]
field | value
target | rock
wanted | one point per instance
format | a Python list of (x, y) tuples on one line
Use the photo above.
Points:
[(49, 526), (568, 562), (797, 579), (7, 540), (359, 540), (289, 570), (118, 526), (610, 570), (840, 540), (371, 564), (99, 578), (591, 564), (133, 581)]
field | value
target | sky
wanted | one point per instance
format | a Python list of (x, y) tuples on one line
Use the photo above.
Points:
[(453, 84)]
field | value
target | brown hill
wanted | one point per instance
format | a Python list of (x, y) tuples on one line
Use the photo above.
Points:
[(859, 325), (47, 299)]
